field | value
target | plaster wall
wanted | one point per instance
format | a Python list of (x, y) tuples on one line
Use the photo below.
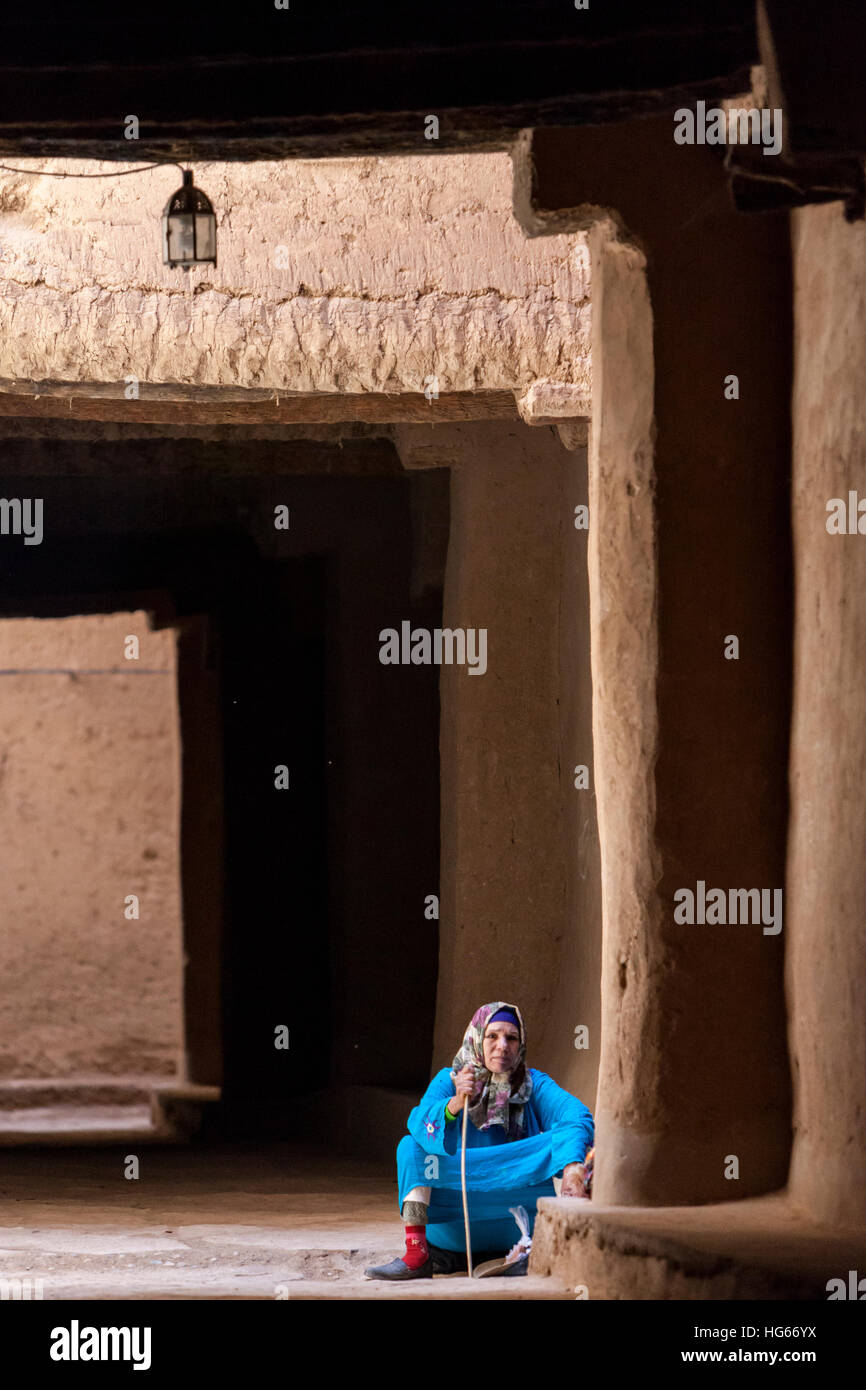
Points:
[(826, 887), (343, 275), (519, 899), (89, 812)]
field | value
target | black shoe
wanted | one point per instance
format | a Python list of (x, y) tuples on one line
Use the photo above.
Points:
[(398, 1269), (454, 1261), (447, 1261)]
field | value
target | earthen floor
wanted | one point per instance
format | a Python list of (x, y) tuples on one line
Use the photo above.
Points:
[(282, 1220), (270, 1221)]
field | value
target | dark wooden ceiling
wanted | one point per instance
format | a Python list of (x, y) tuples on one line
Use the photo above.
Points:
[(320, 79), (337, 78)]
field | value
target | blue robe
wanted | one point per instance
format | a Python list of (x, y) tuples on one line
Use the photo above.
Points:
[(558, 1129)]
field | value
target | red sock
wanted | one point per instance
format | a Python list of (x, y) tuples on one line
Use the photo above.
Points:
[(417, 1253)]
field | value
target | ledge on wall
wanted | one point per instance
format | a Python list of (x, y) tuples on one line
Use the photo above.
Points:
[(564, 404), (757, 1248), (203, 405)]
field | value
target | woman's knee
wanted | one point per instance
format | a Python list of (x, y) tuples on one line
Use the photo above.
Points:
[(408, 1150)]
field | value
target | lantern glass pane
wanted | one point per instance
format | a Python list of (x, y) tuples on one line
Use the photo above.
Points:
[(181, 246), (205, 236)]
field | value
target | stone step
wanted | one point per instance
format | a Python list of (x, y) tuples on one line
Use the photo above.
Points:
[(34, 1093), (226, 1284), (756, 1248), (440, 1289), (75, 1124), (100, 1110), (228, 1263)]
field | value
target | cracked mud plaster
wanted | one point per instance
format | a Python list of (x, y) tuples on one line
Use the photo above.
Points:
[(392, 271)]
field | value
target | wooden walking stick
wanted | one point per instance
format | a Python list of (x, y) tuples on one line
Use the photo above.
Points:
[(463, 1183)]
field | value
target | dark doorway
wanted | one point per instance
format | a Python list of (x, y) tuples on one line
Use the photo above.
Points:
[(300, 904), (272, 627)]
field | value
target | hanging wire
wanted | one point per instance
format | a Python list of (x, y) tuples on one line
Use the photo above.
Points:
[(50, 174)]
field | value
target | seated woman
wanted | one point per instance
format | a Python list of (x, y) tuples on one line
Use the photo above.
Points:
[(523, 1131)]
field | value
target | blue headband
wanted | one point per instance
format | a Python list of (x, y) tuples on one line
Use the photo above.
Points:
[(506, 1016)]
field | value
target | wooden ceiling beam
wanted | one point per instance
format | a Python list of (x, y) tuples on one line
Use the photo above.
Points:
[(198, 405)]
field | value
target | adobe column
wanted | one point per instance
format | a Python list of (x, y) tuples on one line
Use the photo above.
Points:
[(689, 546), (826, 970)]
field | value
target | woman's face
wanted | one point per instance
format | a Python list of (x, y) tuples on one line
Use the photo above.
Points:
[(501, 1046)]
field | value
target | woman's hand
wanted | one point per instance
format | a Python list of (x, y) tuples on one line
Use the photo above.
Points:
[(464, 1083), (572, 1181)]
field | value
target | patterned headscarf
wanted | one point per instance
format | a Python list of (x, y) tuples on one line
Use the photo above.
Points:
[(502, 1098)]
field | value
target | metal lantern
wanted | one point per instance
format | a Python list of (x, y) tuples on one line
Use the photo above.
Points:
[(188, 227)]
